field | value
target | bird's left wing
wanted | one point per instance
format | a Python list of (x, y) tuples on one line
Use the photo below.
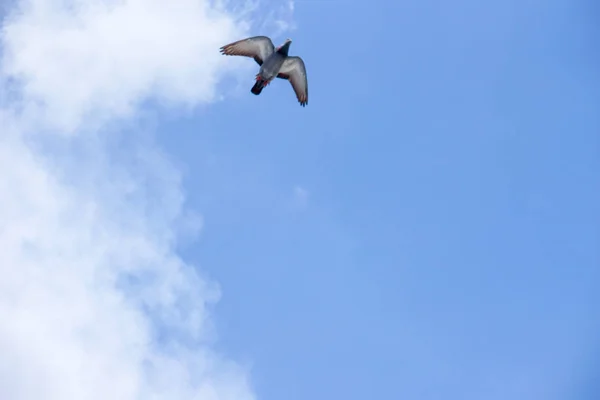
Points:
[(294, 70), (257, 47)]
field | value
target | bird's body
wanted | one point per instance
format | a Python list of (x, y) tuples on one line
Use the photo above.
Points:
[(269, 70), (274, 63)]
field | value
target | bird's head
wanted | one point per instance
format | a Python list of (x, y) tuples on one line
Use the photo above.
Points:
[(285, 47)]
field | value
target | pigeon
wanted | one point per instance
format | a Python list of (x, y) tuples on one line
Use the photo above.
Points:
[(274, 62)]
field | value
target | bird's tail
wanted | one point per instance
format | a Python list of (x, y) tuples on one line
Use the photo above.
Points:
[(258, 86)]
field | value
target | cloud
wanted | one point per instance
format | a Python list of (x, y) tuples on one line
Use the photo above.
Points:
[(95, 302), (300, 196), (97, 59), (281, 18)]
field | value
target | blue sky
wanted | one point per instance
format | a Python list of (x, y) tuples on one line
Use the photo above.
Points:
[(448, 247), (426, 228)]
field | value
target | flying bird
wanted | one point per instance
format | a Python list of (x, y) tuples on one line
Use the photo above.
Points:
[(274, 62)]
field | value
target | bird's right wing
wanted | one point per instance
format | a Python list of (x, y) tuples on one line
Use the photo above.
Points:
[(257, 47), (294, 70)]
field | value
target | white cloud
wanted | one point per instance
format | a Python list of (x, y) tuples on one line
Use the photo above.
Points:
[(95, 303), (300, 196), (281, 18), (97, 59)]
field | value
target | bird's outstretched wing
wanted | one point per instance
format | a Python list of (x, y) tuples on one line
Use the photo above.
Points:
[(257, 47), (293, 69)]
